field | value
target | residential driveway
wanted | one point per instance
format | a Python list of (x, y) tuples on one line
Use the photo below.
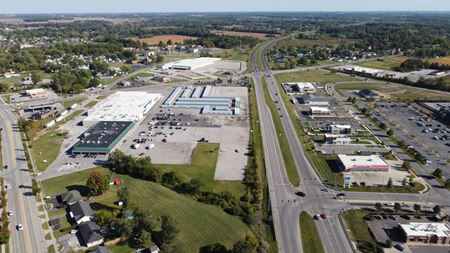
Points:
[(70, 242)]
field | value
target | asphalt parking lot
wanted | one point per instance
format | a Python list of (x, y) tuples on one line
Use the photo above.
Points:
[(170, 135), (427, 136)]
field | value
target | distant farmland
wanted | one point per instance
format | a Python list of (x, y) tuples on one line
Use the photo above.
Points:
[(164, 38), (261, 36)]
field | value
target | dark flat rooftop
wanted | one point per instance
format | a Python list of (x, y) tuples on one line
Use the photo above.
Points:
[(103, 135)]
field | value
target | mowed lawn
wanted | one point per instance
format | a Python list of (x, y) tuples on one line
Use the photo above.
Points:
[(200, 224), (310, 236), (317, 76), (203, 167), (386, 65), (359, 230), (46, 148)]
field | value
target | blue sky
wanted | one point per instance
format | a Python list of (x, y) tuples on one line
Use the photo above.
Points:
[(77, 6)]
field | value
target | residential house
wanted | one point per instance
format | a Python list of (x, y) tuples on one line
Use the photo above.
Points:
[(90, 232), (70, 197), (81, 212)]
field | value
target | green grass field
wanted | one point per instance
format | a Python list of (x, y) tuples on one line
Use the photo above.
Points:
[(141, 75), (234, 55), (199, 224), (288, 158), (359, 230), (310, 236), (386, 65), (91, 104), (396, 92), (319, 76), (46, 147), (203, 166), (69, 102)]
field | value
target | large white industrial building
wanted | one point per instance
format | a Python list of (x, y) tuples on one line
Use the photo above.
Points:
[(199, 97), (191, 64), (123, 106)]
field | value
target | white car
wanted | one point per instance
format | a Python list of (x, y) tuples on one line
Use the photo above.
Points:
[(10, 213), (7, 186), (19, 227)]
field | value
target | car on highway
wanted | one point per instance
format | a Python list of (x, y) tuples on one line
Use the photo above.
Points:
[(301, 194), (340, 195), (19, 227), (10, 213), (7, 186)]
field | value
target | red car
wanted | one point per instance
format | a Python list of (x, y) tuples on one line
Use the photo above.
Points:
[(323, 216)]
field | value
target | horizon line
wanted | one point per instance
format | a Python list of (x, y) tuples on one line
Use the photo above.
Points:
[(231, 11)]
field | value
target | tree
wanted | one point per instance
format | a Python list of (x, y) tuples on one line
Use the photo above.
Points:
[(104, 217), (247, 245), (378, 206), (390, 132), (417, 208), (36, 77), (126, 69), (4, 87), (124, 227), (35, 187), (159, 58), (144, 221), (169, 229), (390, 183), (437, 173), (97, 183), (214, 248), (169, 42), (437, 209), (406, 165), (161, 44), (412, 181), (144, 239), (124, 195), (404, 182), (447, 184), (397, 207)]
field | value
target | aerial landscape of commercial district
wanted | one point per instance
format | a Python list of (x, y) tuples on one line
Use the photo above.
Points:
[(233, 128)]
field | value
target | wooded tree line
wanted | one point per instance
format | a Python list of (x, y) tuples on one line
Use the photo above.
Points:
[(421, 38)]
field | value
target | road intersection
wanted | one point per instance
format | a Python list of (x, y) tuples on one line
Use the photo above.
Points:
[(286, 206)]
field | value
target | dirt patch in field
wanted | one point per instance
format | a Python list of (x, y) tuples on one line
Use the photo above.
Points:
[(261, 36), (164, 38)]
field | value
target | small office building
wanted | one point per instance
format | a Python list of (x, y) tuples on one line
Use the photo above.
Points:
[(426, 233), (363, 163)]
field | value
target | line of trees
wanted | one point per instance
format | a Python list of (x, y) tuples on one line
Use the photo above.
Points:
[(441, 83), (4, 220), (418, 64)]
